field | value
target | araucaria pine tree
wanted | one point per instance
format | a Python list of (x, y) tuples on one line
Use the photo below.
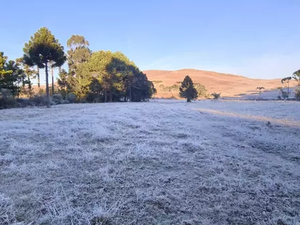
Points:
[(187, 89), (44, 50)]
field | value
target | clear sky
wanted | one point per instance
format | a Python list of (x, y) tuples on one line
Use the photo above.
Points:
[(254, 38)]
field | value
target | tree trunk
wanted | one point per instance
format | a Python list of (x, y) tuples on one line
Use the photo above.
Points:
[(288, 89), (38, 77), (47, 86), (29, 87), (130, 93), (110, 96), (52, 80), (105, 96)]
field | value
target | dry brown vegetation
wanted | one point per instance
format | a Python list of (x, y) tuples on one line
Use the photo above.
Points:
[(227, 84)]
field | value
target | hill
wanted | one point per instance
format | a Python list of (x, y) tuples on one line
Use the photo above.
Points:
[(228, 85)]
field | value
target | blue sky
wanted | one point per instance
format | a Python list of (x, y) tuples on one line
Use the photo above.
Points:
[(253, 38)]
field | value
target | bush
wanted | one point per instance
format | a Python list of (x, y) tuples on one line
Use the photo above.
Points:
[(63, 93), (23, 102), (39, 100), (42, 91), (216, 96), (7, 100), (207, 95), (284, 94), (93, 98), (71, 97), (25, 91), (57, 99), (297, 95), (200, 89)]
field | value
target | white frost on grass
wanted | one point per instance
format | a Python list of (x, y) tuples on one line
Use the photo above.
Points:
[(162, 162), (7, 211), (282, 110)]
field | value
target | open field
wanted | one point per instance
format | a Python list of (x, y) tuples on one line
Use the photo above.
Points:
[(161, 162)]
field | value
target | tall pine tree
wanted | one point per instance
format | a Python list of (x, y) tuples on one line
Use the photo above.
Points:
[(42, 49), (187, 89)]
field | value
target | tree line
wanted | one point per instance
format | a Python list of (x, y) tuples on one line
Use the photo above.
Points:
[(286, 80), (101, 76), (175, 88)]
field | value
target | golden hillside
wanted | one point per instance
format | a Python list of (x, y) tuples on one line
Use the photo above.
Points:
[(227, 84)]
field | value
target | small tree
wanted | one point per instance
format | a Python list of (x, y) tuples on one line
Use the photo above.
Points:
[(200, 89), (284, 94), (62, 82), (42, 49), (28, 73), (287, 80), (279, 93), (216, 96), (297, 95), (187, 89), (161, 87), (6, 76), (296, 77), (11, 75), (260, 90)]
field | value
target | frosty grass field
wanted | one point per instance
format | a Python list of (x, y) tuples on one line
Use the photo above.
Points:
[(161, 162)]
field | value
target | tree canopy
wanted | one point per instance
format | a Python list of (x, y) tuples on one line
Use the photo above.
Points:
[(187, 89), (296, 76), (12, 76), (6, 76), (78, 52), (43, 49), (103, 75)]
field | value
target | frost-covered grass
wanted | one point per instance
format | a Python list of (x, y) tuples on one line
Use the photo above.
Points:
[(162, 162), (280, 111)]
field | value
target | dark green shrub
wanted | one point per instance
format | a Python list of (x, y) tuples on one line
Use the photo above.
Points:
[(7, 100), (71, 98), (297, 95), (284, 94), (216, 96), (94, 98), (57, 99), (39, 100), (24, 102)]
